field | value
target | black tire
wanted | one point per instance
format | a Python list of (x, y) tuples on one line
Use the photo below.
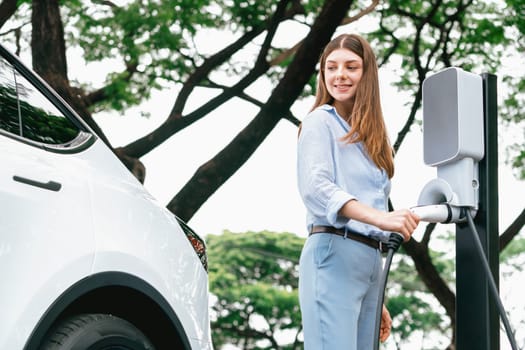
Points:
[(96, 332)]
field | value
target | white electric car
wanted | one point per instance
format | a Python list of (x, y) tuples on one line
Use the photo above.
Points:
[(88, 259)]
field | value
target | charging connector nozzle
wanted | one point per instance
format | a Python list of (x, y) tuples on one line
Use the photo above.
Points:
[(440, 213)]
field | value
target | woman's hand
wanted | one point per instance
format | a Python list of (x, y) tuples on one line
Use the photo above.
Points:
[(401, 221), (386, 324)]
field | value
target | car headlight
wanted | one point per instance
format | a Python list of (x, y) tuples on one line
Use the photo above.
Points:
[(198, 244)]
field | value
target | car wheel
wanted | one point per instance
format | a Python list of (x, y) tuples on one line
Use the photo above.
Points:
[(96, 332)]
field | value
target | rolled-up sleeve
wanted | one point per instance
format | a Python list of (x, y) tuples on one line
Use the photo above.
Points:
[(316, 173)]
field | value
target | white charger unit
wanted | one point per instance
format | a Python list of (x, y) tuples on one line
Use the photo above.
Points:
[(453, 136)]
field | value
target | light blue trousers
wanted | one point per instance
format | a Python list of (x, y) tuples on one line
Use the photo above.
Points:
[(338, 291)]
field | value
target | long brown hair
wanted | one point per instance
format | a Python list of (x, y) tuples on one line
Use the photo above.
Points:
[(367, 124)]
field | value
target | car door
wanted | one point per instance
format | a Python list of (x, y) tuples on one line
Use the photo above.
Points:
[(46, 238)]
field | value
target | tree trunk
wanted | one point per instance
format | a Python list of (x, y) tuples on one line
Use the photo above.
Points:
[(7, 9), (47, 40), (48, 50)]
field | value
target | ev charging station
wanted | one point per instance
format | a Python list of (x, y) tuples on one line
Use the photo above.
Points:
[(460, 140)]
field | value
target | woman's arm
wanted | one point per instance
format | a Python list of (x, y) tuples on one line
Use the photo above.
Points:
[(402, 221), (316, 169)]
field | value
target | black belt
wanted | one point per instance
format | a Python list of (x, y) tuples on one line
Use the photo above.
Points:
[(352, 235)]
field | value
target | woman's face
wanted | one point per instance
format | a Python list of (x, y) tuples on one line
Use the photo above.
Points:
[(342, 73)]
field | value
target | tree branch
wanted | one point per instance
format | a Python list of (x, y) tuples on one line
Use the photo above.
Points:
[(394, 46), (512, 231), (288, 116), (176, 122), (347, 20), (100, 95), (214, 61), (7, 9)]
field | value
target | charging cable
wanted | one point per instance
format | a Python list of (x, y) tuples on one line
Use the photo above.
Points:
[(492, 283), (440, 213), (394, 242)]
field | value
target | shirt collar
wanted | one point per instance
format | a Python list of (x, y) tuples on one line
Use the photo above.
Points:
[(333, 111)]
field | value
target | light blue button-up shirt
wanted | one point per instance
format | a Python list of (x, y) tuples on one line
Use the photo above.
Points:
[(331, 172)]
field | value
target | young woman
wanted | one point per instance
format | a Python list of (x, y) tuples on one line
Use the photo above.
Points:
[(345, 163)]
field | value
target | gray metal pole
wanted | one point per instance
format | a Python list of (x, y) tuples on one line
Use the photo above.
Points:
[(477, 317)]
